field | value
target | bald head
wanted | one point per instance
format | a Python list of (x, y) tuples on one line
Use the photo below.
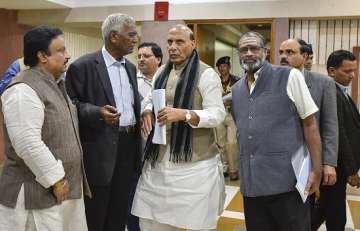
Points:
[(181, 44), (185, 29), (290, 54), (291, 42)]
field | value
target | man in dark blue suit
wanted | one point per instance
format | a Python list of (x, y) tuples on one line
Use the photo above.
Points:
[(341, 65), (103, 86)]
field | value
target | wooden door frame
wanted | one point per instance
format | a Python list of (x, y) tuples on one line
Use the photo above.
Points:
[(270, 21), (356, 81)]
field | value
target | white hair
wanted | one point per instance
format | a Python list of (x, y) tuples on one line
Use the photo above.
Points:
[(115, 22), (184, 28)]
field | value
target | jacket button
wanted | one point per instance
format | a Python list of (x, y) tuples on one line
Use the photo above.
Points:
[(250, 137)]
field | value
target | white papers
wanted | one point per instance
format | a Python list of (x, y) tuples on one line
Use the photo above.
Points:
[(227, 97), (301, 163), (158, 97)]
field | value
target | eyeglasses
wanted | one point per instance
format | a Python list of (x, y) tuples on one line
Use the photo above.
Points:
[(252, 49), (146, 56)]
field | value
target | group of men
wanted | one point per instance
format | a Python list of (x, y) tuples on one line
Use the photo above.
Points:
[(278, 110), (82, 136), (336, 120)]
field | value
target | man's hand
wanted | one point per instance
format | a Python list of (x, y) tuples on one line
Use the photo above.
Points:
[(227, 103), (354, 180), (313, 182), (329, 175), (61, 190), (109, 114), (148, 119), (169, 114), (313, 143)]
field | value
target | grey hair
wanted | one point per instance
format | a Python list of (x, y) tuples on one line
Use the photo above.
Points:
[(115, 22), (254, 34), (185, 28)]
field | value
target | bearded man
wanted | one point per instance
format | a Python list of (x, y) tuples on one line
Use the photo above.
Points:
[(274, 115)]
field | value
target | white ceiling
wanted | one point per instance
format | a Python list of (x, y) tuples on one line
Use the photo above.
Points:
[(55, 4), (30, 4)]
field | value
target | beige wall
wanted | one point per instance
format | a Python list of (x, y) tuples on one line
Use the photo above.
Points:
[(82, 41), (220, 10), (157, 32), (327, 35)]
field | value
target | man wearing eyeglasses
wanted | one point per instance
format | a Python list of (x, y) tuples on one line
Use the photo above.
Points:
[(103, 86), (274, 115), (149, 60)]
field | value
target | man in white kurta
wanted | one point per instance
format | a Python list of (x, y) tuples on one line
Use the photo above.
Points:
[(183, 194), (25, 117)]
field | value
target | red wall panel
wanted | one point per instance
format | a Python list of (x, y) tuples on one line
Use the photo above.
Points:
[(11, 38), (11, 45)]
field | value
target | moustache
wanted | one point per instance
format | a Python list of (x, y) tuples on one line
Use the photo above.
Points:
[(283, 61)]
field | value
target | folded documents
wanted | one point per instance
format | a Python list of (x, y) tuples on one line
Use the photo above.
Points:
[(301, 163), (158, 97)]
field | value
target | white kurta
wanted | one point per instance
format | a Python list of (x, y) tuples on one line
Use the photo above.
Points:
[(186, 195), (24, 117), (297, 91)]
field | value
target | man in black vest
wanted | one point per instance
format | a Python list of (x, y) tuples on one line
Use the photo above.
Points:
[(103, 86), (341, 65), (274, 115)]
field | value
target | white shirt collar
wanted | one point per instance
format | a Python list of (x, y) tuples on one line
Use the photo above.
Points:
[(140, 75), (257, 73), (109, 59), (343, 88)]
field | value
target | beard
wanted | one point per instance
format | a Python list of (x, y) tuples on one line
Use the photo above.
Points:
[(252, 67)]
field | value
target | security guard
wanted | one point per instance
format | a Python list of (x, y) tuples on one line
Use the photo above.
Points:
[(226, 132)]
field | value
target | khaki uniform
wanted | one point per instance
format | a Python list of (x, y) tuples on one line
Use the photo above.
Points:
[(226, 132)]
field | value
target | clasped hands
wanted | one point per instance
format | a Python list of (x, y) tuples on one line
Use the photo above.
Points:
[(165, 115)]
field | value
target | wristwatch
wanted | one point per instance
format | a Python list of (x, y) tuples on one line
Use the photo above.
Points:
[(187, 116)]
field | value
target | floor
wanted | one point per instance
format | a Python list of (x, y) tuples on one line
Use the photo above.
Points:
[(233, 217)]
